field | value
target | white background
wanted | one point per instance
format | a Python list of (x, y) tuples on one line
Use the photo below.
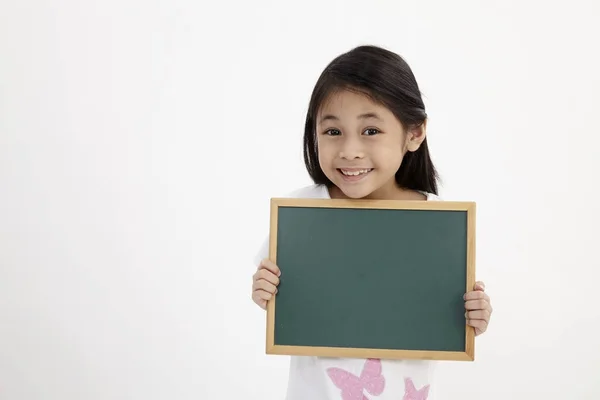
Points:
[(140, 142)]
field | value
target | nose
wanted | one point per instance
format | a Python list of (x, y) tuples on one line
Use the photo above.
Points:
[(351, 148)]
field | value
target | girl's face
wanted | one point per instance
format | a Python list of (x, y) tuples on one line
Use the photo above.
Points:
[(361, 145)]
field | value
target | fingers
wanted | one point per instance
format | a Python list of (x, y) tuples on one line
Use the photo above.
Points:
[(477, 300), (481, 304), (266, 275), (262, 303), (265, 285), (264, 282), (261, 297), (479, 308), (269, 266), (478, 314), (268, 272), (476, 295), (480, 325)]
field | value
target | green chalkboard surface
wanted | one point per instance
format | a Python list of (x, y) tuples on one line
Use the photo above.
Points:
[(372, 278)]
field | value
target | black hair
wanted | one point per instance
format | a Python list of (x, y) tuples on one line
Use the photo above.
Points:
[(386, 78)]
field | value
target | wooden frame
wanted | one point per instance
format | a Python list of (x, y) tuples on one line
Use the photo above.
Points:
[(468, 207)]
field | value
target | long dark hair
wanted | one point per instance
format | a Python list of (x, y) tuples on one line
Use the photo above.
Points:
[(386, 78)]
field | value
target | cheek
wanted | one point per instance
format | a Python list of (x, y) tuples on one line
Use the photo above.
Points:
[(325, 153), (390, 157)]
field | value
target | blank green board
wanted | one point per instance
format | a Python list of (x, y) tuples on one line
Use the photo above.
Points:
[(372, 279)]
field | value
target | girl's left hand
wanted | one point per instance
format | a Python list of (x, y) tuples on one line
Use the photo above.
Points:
[(479, 308)]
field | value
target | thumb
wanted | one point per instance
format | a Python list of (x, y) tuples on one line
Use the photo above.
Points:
[(480, 286)]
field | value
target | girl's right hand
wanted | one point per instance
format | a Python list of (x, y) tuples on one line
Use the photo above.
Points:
[(264, 283)]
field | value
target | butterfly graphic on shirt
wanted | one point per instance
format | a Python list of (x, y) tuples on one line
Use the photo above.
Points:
[(353, 387), (411, 392)]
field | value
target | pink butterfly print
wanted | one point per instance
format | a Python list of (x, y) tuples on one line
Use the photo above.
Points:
[(353, 387), (411, 393)]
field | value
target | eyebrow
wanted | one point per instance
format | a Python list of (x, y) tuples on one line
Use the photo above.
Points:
[(369, 115)]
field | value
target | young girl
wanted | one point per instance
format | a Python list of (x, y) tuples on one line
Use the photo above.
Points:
[(365, 137)]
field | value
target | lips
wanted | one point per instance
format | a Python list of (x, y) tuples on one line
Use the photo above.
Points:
[(354, 171), (354, 174)]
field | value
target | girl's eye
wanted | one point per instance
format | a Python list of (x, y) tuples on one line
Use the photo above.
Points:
[(336, 132)]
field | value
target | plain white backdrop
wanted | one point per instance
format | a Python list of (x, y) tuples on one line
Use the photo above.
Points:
[(140, 142)]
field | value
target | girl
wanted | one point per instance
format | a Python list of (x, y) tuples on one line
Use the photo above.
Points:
[(365, 137)]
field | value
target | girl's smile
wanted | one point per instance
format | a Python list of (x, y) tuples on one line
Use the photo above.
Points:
[(354, 174)]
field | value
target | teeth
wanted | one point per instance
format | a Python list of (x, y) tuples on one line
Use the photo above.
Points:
[(355, 173)]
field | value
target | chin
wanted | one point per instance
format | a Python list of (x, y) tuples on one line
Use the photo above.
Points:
[(355, 192), (352, 190)]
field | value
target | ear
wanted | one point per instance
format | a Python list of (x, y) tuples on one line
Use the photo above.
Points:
[(415, 136)]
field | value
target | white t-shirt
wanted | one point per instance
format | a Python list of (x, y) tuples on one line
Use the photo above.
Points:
[(320, 378)]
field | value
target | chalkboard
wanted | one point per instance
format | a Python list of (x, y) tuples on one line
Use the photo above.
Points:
[(371, 278)]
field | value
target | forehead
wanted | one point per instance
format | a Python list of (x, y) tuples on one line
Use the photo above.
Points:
[(347, 103)]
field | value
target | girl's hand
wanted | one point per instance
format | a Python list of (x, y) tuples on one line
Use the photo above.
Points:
[(264, 283), (479, 308)]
